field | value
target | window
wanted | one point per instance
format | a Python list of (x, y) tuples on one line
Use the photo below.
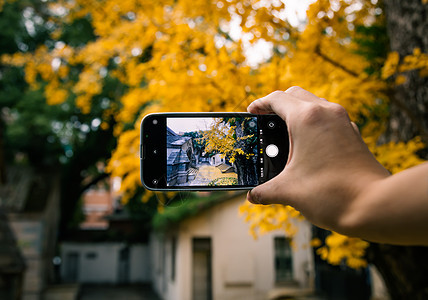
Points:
[(91, 255), (283, 260)]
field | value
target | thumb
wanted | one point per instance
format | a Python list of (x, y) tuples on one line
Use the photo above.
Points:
[(273, 191)]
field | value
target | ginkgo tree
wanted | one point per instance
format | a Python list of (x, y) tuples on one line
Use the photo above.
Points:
[(235, 139), (185, 55)]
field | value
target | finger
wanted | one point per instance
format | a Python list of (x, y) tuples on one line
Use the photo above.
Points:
[(300, 93), (277, 102), (282, 102), (270, 192), (259, 107)]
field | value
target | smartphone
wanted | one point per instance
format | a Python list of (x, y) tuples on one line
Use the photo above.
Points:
[(211, 151)]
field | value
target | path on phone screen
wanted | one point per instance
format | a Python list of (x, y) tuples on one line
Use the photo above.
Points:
[(208, 173)]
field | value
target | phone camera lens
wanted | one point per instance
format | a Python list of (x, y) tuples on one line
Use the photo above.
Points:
[(155, 122), (271, 124), (155, 181)]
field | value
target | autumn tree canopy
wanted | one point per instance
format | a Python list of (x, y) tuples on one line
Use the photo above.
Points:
[(185, 55)]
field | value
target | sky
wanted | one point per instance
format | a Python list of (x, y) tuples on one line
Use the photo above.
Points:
[(189, 124), (295, 12)]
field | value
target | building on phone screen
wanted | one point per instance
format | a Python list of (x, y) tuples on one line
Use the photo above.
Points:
[(180, 158)]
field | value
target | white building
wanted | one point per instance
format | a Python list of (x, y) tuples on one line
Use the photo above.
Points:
[(201, 249), (217, 159), (107, 262), (211, 255)]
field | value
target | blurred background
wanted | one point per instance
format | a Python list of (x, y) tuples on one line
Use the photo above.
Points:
[(76, 78)]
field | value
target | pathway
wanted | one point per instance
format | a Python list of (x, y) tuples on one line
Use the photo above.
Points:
[(121, 292), (208, 173)]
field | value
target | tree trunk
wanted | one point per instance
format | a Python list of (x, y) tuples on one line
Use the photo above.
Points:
[(246, 167), (407, 25), (404, 269), (246, 170)]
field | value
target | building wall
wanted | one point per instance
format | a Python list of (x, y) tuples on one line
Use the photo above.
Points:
[(217, 159), (97, 203), (242, 268), (100, 262)]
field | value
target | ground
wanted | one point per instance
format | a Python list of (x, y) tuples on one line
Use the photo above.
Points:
[(208, 173), (121, 292)]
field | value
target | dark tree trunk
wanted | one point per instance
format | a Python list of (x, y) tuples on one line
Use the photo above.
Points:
[(246, 167), (246, 170), (405, 269), (407, 24), (98, 145)]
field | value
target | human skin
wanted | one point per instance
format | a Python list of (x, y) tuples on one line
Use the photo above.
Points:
[(334, 180)]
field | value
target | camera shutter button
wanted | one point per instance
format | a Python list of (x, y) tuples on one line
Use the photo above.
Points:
[(272, 150)]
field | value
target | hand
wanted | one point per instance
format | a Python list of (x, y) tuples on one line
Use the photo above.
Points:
[(329, 165)]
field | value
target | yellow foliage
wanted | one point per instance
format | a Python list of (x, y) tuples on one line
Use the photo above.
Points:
[(415, 61), (220, 138), (339, 248), (398, 156), (127, 166), (54, 93), (391, 65), (263, 219)]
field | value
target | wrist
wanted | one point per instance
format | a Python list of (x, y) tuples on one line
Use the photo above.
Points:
[(360, 217)]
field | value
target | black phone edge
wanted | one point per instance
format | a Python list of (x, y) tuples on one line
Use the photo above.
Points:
[(188, 188)]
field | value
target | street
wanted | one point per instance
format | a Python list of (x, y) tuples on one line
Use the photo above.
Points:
[(113, 292), (209, 173)]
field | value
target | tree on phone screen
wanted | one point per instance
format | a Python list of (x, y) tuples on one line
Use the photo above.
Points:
[(235, 138)]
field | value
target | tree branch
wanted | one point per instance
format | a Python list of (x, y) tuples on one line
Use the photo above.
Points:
[(416, 120), (334, 63), (92, 182)]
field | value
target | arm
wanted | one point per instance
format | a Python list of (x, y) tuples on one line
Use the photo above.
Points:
[(393, 210), (334, 181)]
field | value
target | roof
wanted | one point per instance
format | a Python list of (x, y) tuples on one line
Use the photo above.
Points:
[(173, 156), (176, 140), (190, 204), (177, 156), (169, 131), (173, 140)]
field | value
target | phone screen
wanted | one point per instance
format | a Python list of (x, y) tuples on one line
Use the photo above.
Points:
[(211, 151)]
